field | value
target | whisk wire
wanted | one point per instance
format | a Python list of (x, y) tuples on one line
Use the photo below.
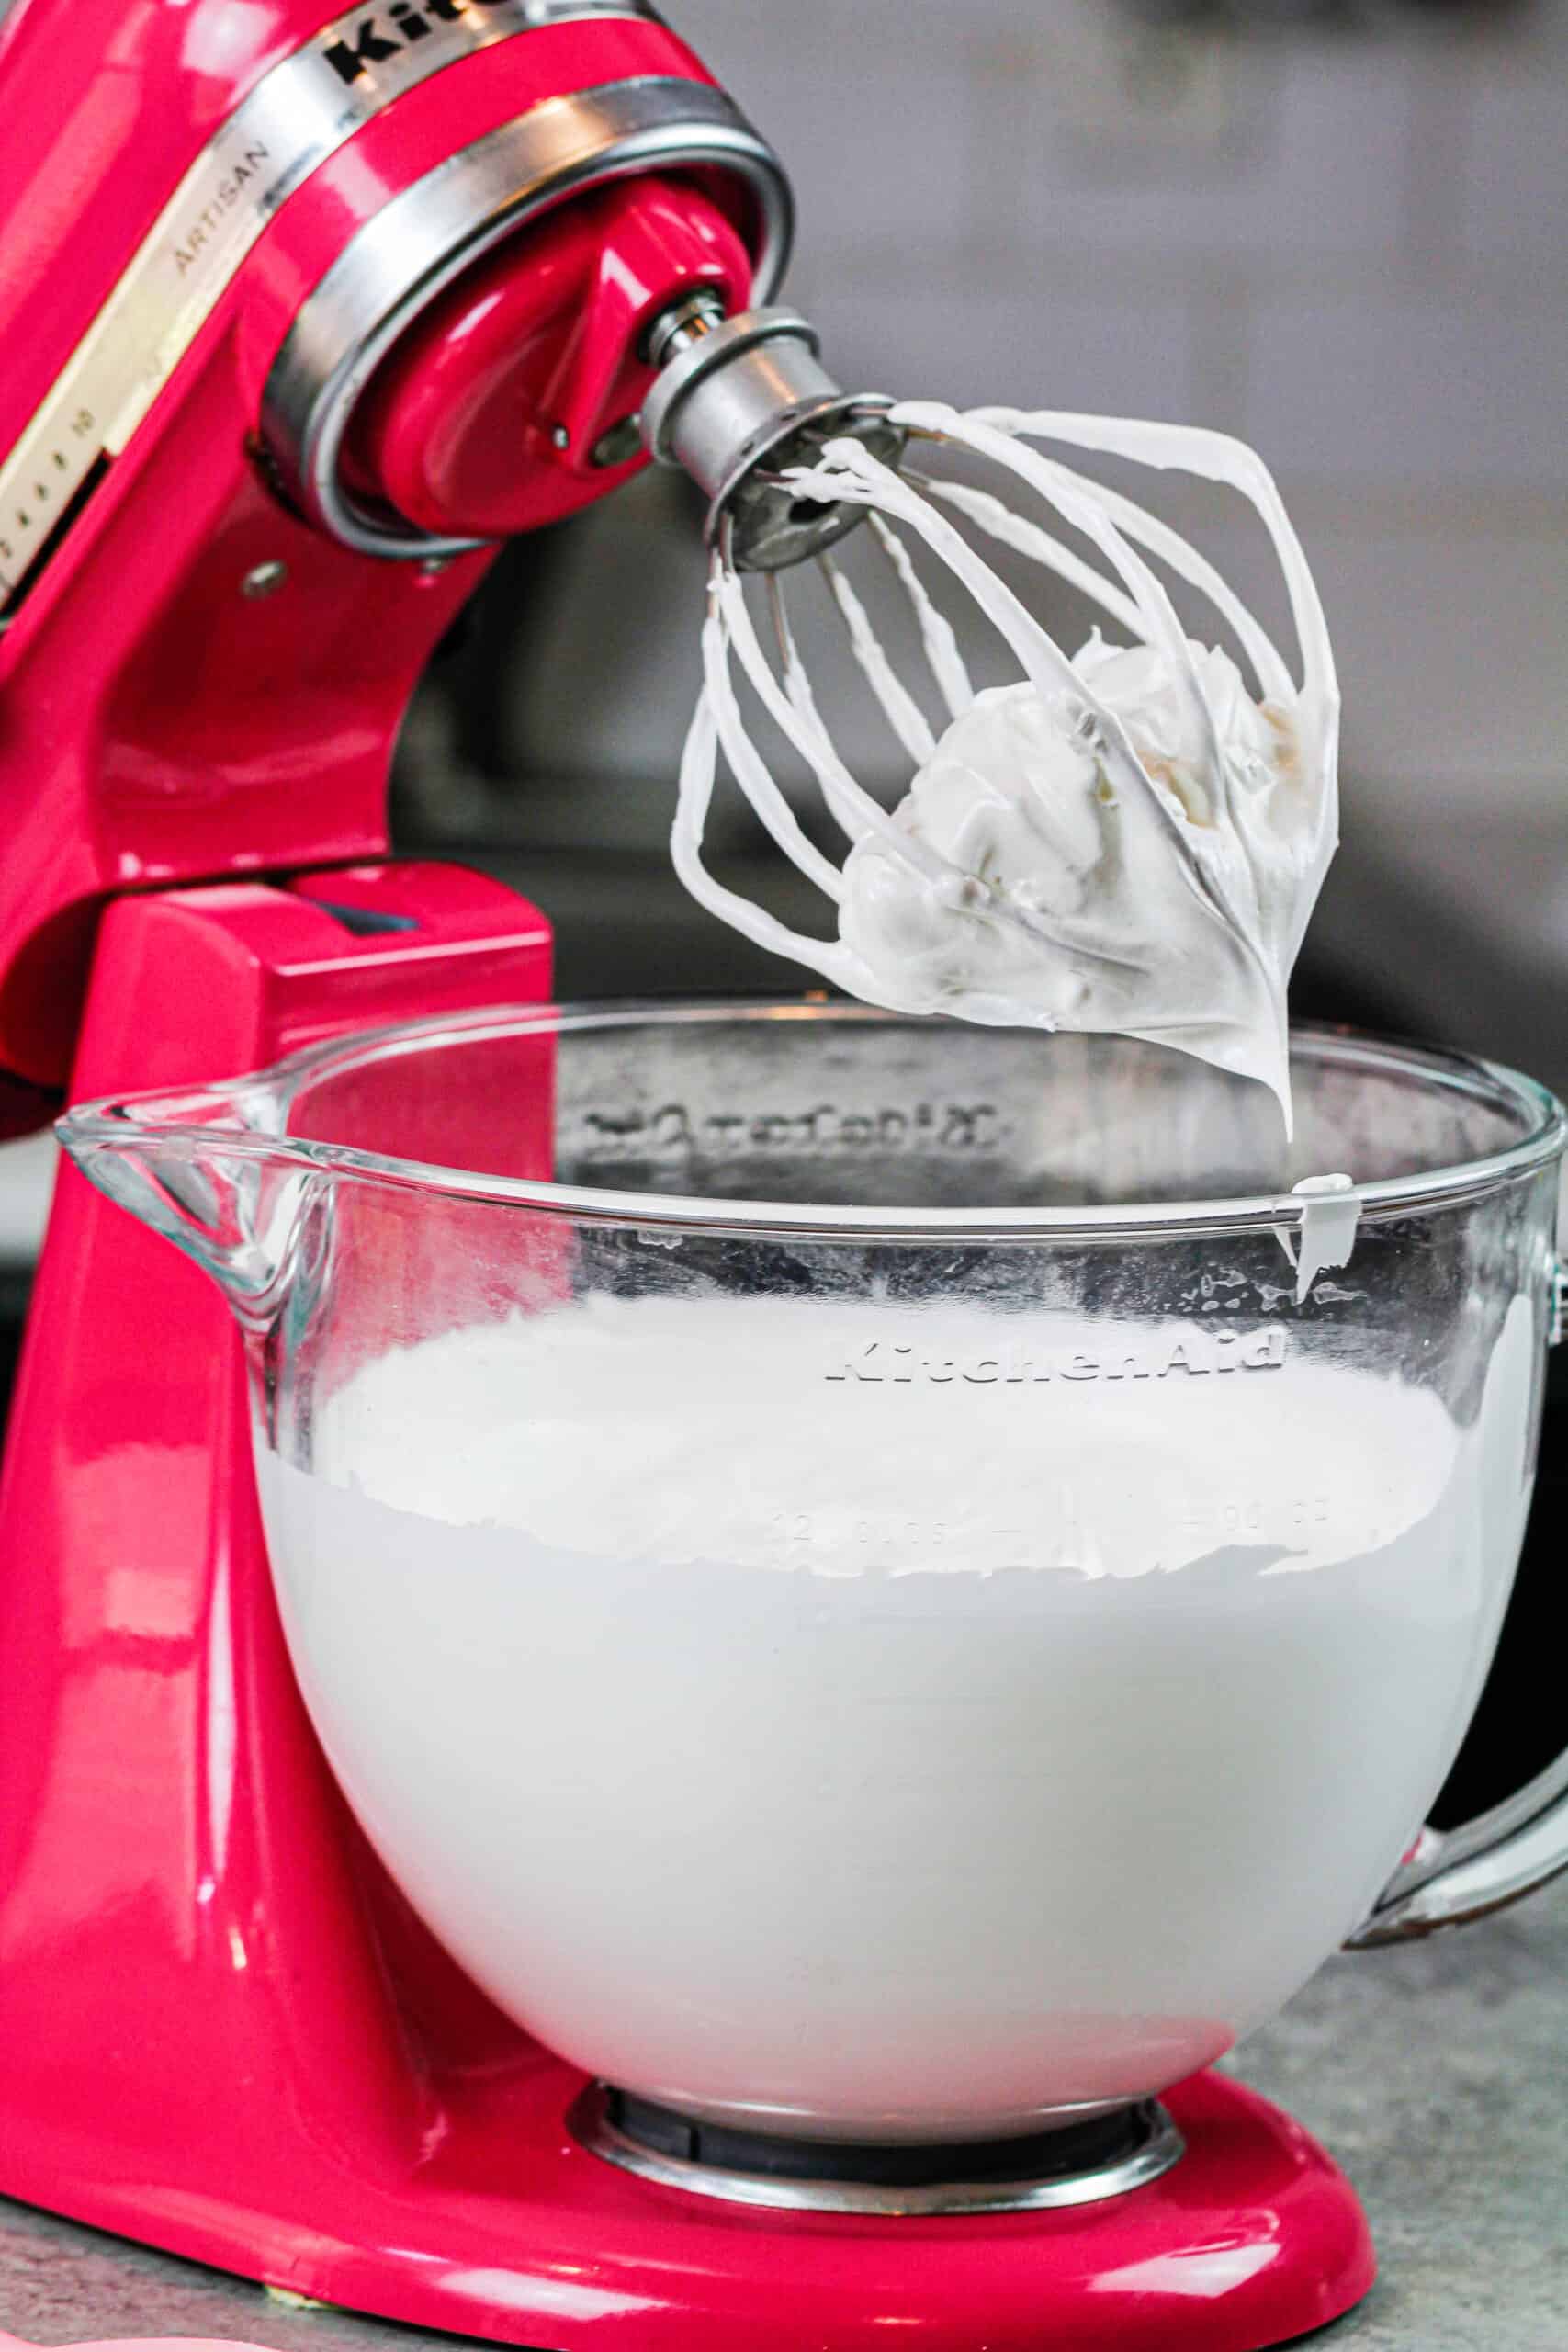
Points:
[(698, 769), (1224, 860), (938, 635), (752, 774), (987, 512), (902, 712), (1159, 624), (796, 718), (1218, 458), (867, 481)]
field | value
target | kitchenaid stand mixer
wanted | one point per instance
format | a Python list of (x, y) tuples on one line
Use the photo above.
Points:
[(300, 321)]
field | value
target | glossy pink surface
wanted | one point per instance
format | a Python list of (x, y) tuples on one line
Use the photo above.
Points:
[(457, 432)]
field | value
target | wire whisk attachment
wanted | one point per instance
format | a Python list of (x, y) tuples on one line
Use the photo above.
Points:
[(1131, 838)]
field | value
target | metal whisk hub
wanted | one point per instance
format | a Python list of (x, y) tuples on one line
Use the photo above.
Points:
[(740, 401)]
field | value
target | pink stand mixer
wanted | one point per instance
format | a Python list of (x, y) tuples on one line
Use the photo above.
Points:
[(300, 319)]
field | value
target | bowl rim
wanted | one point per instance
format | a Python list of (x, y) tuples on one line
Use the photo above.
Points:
[(245, 1119)]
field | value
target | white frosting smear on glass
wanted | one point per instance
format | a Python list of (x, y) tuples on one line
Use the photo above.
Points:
[(1130, 839)]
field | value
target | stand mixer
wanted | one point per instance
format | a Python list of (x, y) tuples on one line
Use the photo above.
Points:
[(300, 321)]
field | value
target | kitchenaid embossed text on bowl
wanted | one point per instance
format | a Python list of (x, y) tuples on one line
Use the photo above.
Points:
[(854, 1572)]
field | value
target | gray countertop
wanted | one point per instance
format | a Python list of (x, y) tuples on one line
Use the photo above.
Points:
[(1436, 2074)]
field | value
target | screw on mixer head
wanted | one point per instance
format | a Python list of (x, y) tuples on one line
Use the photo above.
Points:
[(739, 402)]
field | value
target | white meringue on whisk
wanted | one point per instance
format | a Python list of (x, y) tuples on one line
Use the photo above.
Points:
[(1129, 839)]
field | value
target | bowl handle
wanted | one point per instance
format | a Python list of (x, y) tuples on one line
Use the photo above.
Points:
[(1451, 1876)]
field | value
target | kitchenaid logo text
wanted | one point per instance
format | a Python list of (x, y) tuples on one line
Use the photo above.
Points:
[(387, 33), (674, 1131), (377, 54), (1192, 1354)]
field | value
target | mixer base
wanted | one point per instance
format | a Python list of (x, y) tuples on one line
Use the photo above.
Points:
[(511, 2230)]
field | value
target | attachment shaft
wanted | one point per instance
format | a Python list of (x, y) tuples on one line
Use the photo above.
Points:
[(741, 400)]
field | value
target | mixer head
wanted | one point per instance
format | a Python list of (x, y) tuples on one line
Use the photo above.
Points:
[(384, 292)]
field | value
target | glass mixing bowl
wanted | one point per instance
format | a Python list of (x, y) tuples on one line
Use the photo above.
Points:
[(873, 1579)]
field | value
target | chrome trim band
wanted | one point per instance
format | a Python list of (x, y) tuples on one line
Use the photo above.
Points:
[(434, 230), (298, 114), (1162, 2147)]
